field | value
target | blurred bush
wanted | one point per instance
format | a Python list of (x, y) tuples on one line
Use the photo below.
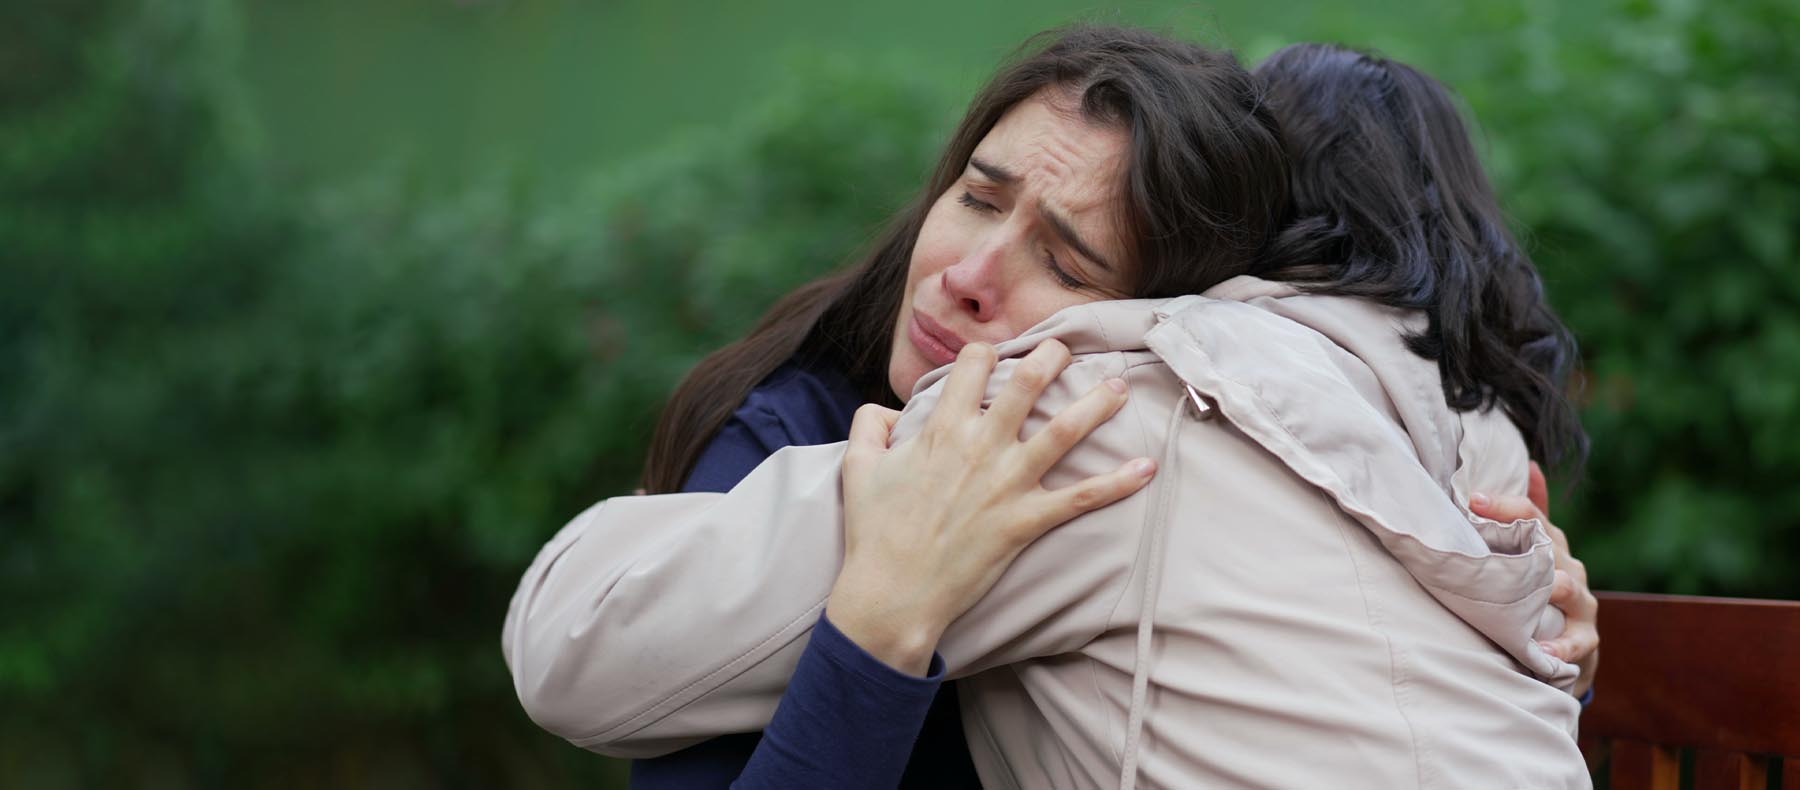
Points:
[(1654, 160), (270, 464)]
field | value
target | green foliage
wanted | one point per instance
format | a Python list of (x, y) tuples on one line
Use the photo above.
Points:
[(270, 465), (1655, 162)]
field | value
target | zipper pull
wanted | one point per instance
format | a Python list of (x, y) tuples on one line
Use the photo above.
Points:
[(1197, 402)]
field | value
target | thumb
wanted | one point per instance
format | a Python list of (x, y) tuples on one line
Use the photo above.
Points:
[(870, 430)]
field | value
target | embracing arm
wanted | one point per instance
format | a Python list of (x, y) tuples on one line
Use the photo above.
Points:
[(643, 605), (847, 719), (1579, 642), (651, 623)]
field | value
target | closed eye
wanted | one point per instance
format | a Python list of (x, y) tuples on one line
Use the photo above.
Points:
[(982, 206), (1063, 278)]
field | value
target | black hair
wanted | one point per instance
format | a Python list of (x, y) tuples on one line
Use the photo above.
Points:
[(1391, 204)]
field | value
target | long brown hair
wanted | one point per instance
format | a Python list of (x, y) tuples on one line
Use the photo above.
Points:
[(1392, 205), (1205, 186)]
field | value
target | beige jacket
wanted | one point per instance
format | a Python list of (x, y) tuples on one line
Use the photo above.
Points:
[(1300, 598)]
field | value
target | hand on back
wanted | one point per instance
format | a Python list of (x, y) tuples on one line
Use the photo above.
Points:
[(1579, 643)]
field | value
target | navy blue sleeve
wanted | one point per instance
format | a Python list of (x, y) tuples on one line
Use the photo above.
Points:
[(847, 720)]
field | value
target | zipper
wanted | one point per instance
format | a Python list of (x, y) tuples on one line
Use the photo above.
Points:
[(1197, 404)]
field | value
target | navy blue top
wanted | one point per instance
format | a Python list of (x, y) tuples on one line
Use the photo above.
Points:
[(847, 719)]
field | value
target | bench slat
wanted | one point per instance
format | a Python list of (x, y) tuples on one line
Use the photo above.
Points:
[(1593, 750), (1637, 765), (1711, 673), (1716, 770)]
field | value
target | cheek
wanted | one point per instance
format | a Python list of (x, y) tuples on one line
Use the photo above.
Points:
[(940, 245), (1042, 297), (905, 366)]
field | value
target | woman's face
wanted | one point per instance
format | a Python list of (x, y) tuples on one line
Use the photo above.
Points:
[(1029, 228)]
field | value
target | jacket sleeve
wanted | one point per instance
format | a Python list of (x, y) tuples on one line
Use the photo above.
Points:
[(654, 622)]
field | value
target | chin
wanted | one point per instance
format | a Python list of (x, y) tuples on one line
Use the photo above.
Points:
[(903, 393)]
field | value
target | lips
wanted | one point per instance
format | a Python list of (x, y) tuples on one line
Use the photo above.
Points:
[(937, 344)]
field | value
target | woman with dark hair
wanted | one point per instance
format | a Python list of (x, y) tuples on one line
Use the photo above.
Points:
[(1328, 436), (1392, 205), (1204, 185), (1204, 156)]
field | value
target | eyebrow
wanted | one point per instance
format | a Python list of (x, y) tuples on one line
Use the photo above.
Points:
[(1062, 227)]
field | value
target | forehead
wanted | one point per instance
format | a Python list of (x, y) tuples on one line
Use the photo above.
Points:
[(1074, 165)]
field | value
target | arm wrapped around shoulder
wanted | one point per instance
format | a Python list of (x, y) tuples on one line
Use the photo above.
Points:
[(650, 623)]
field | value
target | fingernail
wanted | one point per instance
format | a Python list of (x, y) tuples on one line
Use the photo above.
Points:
[(1143, 467), (1549, 648), (1479, 500), (1118, 385)]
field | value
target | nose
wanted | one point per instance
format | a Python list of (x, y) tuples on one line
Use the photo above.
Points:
[(974, 283)]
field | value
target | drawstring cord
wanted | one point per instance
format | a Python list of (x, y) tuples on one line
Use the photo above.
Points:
[(1158, 527)]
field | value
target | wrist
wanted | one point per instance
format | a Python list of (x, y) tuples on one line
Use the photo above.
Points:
[(1584, 683), (897, 635)]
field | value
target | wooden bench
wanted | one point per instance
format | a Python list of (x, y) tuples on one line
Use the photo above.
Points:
[(1695, 692)]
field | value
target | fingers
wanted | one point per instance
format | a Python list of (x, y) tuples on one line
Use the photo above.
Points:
[(871, 427), (1590, 666), (1095, 493), (1028, 380), (1073, 424), (1562, 591), (1574, 645), (1564, 559), (1538, 490), (1504, 509), (1581, 610), (1579, 643), (967, 383), (1578, 571), (1570, 593), (870, 430)]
